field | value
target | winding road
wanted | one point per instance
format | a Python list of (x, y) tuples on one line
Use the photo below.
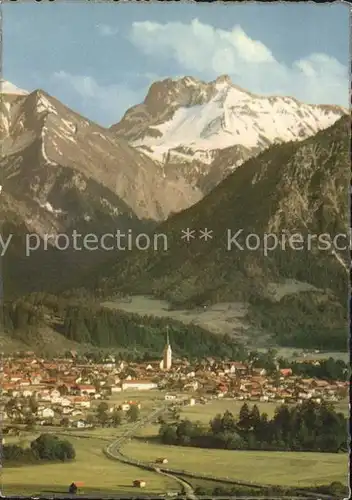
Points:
[(114, 451)]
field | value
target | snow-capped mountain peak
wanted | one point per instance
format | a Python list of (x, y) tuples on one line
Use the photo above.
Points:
[(192, 118), (223, 81), (9, 88)]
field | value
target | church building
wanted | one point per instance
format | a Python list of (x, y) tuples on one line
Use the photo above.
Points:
[(166, 362)]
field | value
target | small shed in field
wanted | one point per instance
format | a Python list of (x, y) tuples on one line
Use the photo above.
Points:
[(139, 483), (74, 487)]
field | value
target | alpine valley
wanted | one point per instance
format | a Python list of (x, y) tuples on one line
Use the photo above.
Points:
[(192, 155)]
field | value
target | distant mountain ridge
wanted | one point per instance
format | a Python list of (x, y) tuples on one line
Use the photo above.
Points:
[(60, 171)]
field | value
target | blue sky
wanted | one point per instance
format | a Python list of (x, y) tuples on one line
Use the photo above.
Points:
[(100, 59)]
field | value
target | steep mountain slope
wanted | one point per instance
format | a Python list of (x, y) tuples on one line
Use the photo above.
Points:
[(189, 122), (39, 131), (298, 187), (61, 172), (46, 267)]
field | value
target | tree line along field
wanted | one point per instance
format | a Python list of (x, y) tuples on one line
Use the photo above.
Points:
[(97, 472), (280, 468)]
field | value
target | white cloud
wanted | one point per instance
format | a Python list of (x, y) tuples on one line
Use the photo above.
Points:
[(205, 51), (247, 49), (106, 30), (109, 102)]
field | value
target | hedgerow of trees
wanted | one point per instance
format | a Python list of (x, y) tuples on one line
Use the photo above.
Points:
[(46, 447), (305, 427)]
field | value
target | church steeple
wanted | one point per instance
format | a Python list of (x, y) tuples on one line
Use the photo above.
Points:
[(167, 357)]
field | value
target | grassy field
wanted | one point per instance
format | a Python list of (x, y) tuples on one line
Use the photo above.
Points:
[(147, 399), (205, 413), (104, 476), (97, 472), (281, 468), (92, 467), (218, 318)]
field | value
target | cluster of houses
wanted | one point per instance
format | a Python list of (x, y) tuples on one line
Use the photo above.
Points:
[(70, 388), (239, 381), (281, 388), (60, 389)]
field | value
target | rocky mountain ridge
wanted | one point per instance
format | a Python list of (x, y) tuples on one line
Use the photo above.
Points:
[(186, 124), (61, 172), (40, 132), (294, 188)]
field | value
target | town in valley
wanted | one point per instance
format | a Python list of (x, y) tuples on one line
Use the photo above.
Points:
[(67, 391), (175, 250)]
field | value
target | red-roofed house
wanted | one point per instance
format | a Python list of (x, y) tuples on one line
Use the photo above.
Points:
[(86, 389)]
